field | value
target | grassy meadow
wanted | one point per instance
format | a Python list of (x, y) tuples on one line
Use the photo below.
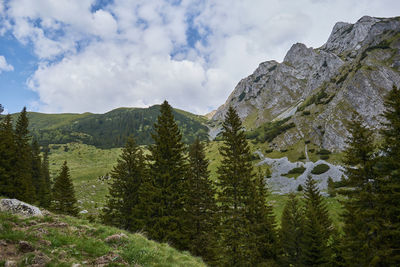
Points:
[(88, 163)]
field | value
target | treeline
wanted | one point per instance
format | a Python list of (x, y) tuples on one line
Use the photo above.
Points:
[(24, 173)]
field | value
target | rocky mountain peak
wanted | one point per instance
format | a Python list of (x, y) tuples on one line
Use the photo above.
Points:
[(351, 37), (317, 89)]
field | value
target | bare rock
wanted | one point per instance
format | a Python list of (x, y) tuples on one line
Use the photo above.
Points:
[(115, 238), (18, 207), (109, 258), (10, 264), (40, 260)]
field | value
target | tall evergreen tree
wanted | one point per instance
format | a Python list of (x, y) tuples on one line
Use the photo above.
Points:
[(1, 108), (64, 200), (23, 167), (201, 206), (126, 180), (291, 234), (164, 193), (235, 184), (37, 175), (45, 199), (360, 216), (263, 223), (389, 183), (8, 185), (317, 227)]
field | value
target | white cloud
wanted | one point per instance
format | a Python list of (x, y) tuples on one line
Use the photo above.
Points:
[(4, 66), (135, 53)]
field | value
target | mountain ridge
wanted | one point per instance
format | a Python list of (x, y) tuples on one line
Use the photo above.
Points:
[(110, 129), (319, 88)]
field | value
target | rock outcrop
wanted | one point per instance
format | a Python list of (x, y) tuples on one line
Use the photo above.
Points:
[(18, 207), (320, 88)]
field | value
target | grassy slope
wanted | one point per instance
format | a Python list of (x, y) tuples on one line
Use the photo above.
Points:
[(87, 163), (63, 240)]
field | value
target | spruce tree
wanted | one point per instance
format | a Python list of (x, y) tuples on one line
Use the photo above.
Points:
[(359, 246), (64, 200), (263, 224), (291, 234), (45, 199), (126, 179), (235, 181), (164, 193), (389, 183), (37, 175), (201, 206), (8, 185), (23, 165), (317, 227)]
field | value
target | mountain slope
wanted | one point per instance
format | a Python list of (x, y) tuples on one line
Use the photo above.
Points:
[(316, 90), (110, 129), (57, 240)]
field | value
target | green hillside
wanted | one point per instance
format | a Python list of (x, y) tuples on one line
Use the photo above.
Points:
[(56, 240), (111, 129)]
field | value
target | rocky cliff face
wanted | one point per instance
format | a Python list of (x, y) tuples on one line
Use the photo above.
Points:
[(320, 88)]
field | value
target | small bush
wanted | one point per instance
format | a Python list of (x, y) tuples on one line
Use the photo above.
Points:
[(320, 169), (298, 170), (300, 188), (324, 157), (324, 151), (306, 113), (267, 151), (307, 141), (302, 157)]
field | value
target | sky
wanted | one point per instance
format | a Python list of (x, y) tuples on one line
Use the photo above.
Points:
[(97, 55)]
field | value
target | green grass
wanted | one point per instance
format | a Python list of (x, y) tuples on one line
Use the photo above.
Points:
[(335, 208), (67, 240), (86, 164)]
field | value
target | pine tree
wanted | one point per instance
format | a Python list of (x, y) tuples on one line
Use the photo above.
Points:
[(291, 234), (45, 199), (164, 193), (8, 185), (201, 206), (126, 180), (37, 175), (360, 217), (235, 181), (1, 108), (263, 223), (317, 227), (389, 183), (23, 167), (64, 200)]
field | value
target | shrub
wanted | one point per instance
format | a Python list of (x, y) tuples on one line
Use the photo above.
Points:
[(320, 169), (297, 170), (268, 151), (306, 113), (312, 150), (300, 188), (307, 141), (324, 151), (302, 157), (324, 157)]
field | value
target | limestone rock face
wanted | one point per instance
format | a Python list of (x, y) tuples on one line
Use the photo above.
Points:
[(18, 207), (352, 71)]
